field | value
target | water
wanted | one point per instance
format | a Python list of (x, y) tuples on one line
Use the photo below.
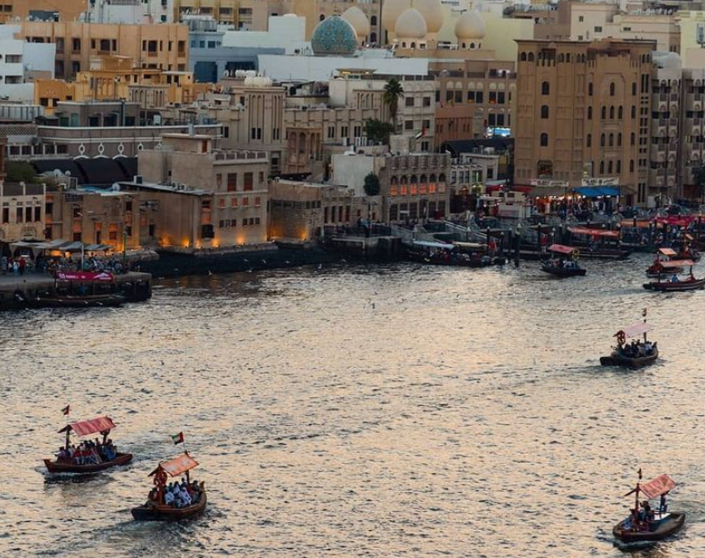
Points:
[(350, 411)]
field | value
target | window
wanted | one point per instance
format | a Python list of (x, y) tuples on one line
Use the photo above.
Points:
[(631, 165), (258, 201), (611, 140), (620, 112), (598, 29), (602, 167), (604, 112), (611, 113), (619, 140), (545, 88), (602, 140), (588, 140), (619, 166), (634, 88), (632, 139), (612, 89), (633, 111), (427, 101), (248, 181), (409, 101), (245, 201), (590, 89), (544, 140), (544, 112), (232, 182), (589, 113), (408, 124)]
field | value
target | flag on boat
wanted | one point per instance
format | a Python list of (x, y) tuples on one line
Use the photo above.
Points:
[(66, 410), (178, 438), (421, 134)]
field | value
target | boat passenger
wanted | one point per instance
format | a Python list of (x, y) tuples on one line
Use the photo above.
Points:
[(674, 278), (648, 348), (168, 497)]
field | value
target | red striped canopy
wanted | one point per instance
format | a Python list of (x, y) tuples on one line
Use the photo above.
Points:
[(561, 249), (593, 232), (176, 466), (677, 263), (667, 251), (87, 427), (660, 485)]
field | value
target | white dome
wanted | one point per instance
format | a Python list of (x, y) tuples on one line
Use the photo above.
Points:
[(432, 12), (391, 12), (411, 25), (470, 25), (357, 18)]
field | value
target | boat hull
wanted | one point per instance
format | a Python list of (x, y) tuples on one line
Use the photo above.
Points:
[(665, 529), (618, 360), (563, 272), (168, 513), (667, 287), (58, 468), (77, 302)]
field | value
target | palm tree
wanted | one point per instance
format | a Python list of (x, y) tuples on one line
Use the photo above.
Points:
[(393, 91)]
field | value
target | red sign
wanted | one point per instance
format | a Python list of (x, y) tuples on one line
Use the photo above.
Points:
[(84, 276)]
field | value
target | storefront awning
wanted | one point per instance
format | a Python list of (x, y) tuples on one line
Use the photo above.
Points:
[(597, 191)]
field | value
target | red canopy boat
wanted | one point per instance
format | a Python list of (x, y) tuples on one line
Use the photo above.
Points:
[(645, 525), (564, 262), (102, 425), (156, 508), (675, 284), (632, 356)]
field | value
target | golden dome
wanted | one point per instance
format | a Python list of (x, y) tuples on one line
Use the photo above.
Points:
[(470, 26), (357, 18), (411, 25), (391, 12), (432, 12)]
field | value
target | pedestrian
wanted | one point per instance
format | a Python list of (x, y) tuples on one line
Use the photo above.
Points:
[(22, 265)]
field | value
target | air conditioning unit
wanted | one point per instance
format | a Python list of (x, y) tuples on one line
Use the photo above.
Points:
[(138, 179)]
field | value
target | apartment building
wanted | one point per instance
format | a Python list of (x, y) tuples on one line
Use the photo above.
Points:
[(583, 112)]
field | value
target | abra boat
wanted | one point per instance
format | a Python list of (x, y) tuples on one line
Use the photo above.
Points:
[(457, 255), (564, 262), (636, 355), (103, 425), (675, 284), (600, 244), (645, 525), (663, 256), (156, 508)]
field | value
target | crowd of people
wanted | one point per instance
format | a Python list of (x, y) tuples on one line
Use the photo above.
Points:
[(111, 265), (15, 266), (637, 349), (177, 494), (88, 452)]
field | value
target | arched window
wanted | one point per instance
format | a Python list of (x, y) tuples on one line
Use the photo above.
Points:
[(602, 167), (545, 88), (432, 178), (404, 180), (609, 167), (441, 177), (612, 89), (620, 112), (522, 57), (602, 140), (604, 112), (619, 140), (544, 140), (631, 165), (530, 57), (590, 89), (414, 179), (632, 139), (619, 166), (611, 140), (373, 37), (394, 181), (633, 112), (589, 115), (588, 140), (373, 20), (544, 111), (612, 113)]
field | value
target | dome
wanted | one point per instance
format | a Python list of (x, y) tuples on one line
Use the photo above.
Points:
[(392, 10), (432, 12), (357, 18), (411, 25), (470, 25), (334, 36)]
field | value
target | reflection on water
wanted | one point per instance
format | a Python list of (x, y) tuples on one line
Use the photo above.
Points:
[(359, 411)]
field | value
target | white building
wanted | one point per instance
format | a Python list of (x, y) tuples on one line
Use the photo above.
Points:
[(287, 32), (130, 12), (20, 62)]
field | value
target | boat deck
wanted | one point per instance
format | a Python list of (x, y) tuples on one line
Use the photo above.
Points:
[(31, 281)]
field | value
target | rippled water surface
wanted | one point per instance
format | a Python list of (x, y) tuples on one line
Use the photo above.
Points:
[(398, 411)]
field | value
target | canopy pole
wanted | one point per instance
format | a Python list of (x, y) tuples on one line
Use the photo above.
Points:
[(68, 435)]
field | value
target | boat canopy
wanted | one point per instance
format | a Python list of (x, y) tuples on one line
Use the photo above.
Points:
[(561, 249), (439, 245), (660, 485), (677, 263), (667, 252), (470, 245), (634, 330), (87, 427), (176, 466), (593, 232)]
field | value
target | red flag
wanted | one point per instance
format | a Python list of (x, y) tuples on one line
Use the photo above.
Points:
[(66, 409), (178, 438)]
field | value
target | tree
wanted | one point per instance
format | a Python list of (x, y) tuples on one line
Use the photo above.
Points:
[(393, 91), (699, 179), (378, 131), (371, 185), (20, 171)]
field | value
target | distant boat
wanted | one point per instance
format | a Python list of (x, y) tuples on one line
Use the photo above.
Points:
[(664, 263), (644, 524), (623, 355), (156, 508), (676, 284), (563, 262), (102, 425)]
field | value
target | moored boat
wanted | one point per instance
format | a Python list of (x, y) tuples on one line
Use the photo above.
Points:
[(645, 524), (636, 354), (456, 255), (162, 505), (675, 283), (563, 262), (72, 460), (663, 263)]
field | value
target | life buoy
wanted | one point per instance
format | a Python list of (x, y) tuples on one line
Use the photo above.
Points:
[(621, 338), (575, 253)]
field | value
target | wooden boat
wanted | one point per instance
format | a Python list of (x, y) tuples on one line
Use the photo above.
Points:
[(691, 284), (102, 425), (564, 262), (58, 467), (439, 253), (642, 526), (156, 509), (77, 301), (620, 355), (601, 244), (663, 263)]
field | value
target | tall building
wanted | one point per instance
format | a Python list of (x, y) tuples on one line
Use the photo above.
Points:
[(583, 113)]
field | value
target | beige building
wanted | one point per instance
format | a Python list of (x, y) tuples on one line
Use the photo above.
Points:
[(692, 134), (235, 210), (583, 111), (68, 10), (161, 46), (22, 215)]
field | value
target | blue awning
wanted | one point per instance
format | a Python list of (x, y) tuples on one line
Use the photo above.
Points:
[(597, 191)]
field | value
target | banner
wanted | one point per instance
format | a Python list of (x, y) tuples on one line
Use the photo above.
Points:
[(84, 276)]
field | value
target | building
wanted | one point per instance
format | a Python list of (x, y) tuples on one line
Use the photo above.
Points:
[(131, 12), (22, 215), (66, 10), (299, 210), (583, 113), (234, 185), (21, 63), (222, 11), (163, 47)]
